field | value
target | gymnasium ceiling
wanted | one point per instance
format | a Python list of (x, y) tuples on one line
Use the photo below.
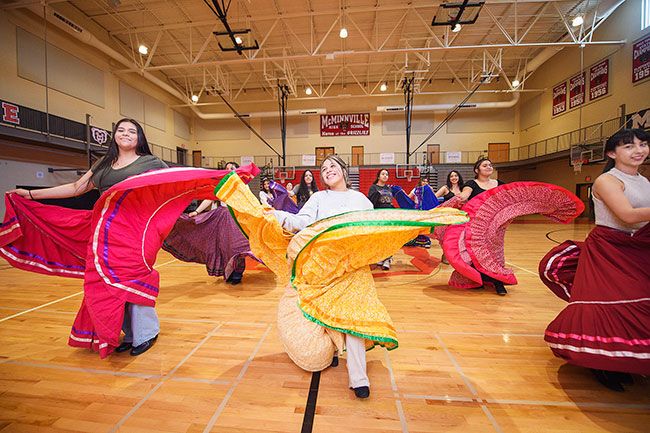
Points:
[(300, 46)]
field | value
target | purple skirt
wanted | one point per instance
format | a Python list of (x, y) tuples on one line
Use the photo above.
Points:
[(212, 238)]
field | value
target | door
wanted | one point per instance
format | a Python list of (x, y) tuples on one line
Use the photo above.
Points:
[(322, 153), (433, 154), (196, 158), (181, 156), (357, 155), (583, 191), (499, 152)]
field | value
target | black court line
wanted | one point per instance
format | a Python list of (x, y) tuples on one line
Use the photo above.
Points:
[(310, 408), (548, 236)]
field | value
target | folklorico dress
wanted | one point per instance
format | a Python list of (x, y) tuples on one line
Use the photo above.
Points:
[(606, 281), (113, 247), (477, 248), (330, 290), (213, 238)]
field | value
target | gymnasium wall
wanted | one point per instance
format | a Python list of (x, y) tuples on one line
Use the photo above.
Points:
[(80, 82), (536, 119), (471, 132)]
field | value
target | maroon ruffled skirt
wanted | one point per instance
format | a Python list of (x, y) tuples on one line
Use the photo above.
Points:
[(607, 282), (211, 238)]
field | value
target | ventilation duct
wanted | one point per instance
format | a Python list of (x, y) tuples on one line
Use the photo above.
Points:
[(444, 107)]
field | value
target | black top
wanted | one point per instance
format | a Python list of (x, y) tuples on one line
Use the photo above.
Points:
[(381, 197), (476, 190), (449, 196)]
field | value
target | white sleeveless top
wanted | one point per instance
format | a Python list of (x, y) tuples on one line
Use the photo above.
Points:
[(636, 190)]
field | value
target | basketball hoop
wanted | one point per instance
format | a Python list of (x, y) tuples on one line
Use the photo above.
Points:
[(284, 174), (577, 165), (408, 174)]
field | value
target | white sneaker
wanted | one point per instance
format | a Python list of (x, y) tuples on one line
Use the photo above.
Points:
[(386, 265)]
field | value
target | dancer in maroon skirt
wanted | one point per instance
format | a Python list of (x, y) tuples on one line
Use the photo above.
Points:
[(211, 238), (606, 326)]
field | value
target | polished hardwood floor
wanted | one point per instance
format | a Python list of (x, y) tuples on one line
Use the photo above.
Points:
[(468, 361)]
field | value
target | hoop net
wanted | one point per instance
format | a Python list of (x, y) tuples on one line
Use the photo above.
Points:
[(577, 165), (283, 175), (403, 171)]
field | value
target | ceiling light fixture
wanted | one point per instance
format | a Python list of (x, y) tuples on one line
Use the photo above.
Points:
[(577, 21), (238, 40), (383, 87), (195, 98), (515, 83), (456, 28), (143, 49), (308, 90), (343, 33)]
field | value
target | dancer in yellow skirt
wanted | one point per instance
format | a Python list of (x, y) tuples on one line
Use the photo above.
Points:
[(330, 302)]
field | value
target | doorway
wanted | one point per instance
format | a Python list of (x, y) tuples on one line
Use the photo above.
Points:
[(322, 153), (196, 158), (357, 155), (181, 156), (583, 191), (433, 154)]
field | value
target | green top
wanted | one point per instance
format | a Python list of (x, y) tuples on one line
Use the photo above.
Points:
[(107, 177)]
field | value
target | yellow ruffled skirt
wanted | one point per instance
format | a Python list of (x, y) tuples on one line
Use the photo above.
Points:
[(330, 289)]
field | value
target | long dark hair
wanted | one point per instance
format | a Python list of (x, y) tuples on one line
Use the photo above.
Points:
[(269, 190), (460, 180), (379, 174), (624, 136), (304, 189), (114, 151), (478, 163)]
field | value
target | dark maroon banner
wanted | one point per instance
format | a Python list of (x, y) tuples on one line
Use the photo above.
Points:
[(344, 124), (559, 99), (599, 80), (641, 59), (577, 90)]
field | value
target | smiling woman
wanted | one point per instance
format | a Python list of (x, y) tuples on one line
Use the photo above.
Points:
[(128, 154)]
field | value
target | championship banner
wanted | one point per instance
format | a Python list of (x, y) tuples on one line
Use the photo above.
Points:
[(559, 99), (577, 90), (332, 125), (641, 59), (599, 80)]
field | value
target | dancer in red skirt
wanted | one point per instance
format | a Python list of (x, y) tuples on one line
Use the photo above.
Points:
[(606, 326)]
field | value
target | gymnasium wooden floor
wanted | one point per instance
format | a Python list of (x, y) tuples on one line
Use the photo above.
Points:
[(468, 361)]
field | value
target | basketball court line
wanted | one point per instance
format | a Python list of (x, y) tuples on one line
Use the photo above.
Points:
[(40, 306), (62, 299), (523, 269), (310, 406), (469, 385), (238, 379), (398, 401), (163, 379)]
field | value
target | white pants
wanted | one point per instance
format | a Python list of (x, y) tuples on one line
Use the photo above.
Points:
[(140, 323), (356, 361)]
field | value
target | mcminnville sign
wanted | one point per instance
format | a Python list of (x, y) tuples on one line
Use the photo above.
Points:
[(344, 124)]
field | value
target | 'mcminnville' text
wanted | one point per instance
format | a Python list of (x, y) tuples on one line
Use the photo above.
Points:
[(336, 119)]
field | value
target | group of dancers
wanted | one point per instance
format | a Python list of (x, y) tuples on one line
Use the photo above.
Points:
[(320, 245)]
